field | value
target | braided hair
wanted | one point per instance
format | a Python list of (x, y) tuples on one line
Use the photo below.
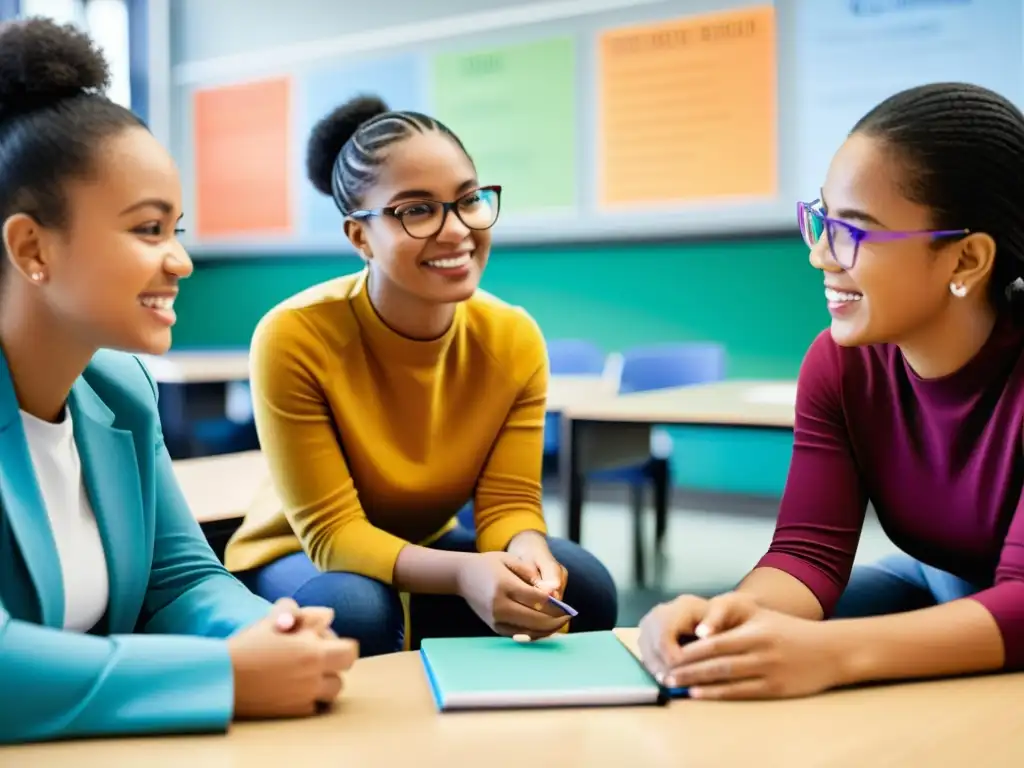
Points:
[(348, 146), (962, 149)]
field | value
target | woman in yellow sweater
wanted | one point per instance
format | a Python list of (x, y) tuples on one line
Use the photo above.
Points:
[(387, 400)]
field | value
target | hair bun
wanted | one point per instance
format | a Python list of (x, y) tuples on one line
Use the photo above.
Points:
[(42, 63), (330, 134)]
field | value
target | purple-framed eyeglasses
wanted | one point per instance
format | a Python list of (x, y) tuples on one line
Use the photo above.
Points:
[(844, 239)]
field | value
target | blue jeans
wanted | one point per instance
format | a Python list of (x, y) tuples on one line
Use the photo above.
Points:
[(371, 611), (898, 583)]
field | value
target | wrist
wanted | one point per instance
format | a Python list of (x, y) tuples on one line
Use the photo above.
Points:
[(526, 542), (851, 657), (462, 574), (429, 571)]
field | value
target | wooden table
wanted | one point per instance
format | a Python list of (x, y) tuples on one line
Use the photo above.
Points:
[(386, 717), (221, 487), (607, 432)]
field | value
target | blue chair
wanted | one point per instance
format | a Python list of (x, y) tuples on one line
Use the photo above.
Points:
[(569, 357), (648, 368)]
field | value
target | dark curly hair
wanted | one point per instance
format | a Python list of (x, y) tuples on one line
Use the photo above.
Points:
[(53, 115), (347, 147), (962, 150)]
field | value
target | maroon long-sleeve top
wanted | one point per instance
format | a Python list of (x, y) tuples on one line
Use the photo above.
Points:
[(941, 460)]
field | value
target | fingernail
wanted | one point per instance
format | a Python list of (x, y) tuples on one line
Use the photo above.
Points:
[(285, 621), (702, 630), (670, 682), (694, 693), (660, 677)]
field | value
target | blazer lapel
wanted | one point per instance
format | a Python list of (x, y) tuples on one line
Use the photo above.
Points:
[(112, 480), (24, 508)]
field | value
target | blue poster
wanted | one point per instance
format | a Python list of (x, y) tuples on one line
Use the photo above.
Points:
[(852, 54), (399, 81)]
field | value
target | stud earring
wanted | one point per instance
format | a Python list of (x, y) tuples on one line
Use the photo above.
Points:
[(958, 289), (37, 276)]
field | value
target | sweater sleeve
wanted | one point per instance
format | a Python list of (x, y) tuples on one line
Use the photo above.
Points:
[(1005, 599), (824, 502), (508, 493), (305, 457)]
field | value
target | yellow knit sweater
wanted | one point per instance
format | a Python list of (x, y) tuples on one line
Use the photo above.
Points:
[(375, 440)]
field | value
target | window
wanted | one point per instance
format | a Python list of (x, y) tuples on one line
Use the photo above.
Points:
[(106, 21), (61, 11)]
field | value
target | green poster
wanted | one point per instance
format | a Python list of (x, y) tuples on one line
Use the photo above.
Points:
[(514, 108)]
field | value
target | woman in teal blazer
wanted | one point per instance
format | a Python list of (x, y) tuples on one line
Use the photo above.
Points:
[(89, 203)]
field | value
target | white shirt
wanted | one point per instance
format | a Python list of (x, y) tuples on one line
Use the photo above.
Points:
[(79, 546)]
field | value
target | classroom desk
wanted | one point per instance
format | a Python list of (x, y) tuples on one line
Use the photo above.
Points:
[(219, 488), (565, 390), (607, 432), (196, 386), (224, 366), (386, 717), (199, 367)]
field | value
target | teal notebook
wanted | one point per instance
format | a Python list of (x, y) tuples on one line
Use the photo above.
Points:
[(580, 670)]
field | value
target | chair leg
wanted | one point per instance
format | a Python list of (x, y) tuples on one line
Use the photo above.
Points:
[(661, 475), (636, 494)]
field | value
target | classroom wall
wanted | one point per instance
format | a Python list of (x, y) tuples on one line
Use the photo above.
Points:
[(758, 297), (208, 29)]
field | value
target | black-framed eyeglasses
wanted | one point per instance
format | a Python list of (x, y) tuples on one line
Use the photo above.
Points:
[(844, 239), (422, 219)]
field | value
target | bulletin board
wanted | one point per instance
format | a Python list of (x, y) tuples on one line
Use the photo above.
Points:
[(656, 119)]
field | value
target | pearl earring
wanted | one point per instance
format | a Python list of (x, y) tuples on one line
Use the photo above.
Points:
[(958, 289), (37, 276)]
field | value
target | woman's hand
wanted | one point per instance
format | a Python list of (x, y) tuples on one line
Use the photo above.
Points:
[(532, 548), (742, 651), (664, 630), (287, 616), (288, 673), (498, 586)]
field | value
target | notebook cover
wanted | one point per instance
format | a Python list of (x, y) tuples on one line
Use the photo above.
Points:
[(575, 670)]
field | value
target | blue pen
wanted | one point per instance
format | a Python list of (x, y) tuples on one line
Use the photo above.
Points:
[(565, 608)]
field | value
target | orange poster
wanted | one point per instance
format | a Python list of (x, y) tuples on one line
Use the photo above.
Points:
[(688, 110), (242, 154)]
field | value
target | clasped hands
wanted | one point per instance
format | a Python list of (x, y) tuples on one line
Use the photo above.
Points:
[(509, 590), (290, 663), (728, 647)]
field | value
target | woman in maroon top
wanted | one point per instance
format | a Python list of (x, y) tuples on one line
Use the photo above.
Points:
[(913, 401)]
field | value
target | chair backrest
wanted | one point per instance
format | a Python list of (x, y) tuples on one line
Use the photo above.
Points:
[(574, 357), (660, 366)]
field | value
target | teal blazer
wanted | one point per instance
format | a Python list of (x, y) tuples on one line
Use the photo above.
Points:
[(157, 663)]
